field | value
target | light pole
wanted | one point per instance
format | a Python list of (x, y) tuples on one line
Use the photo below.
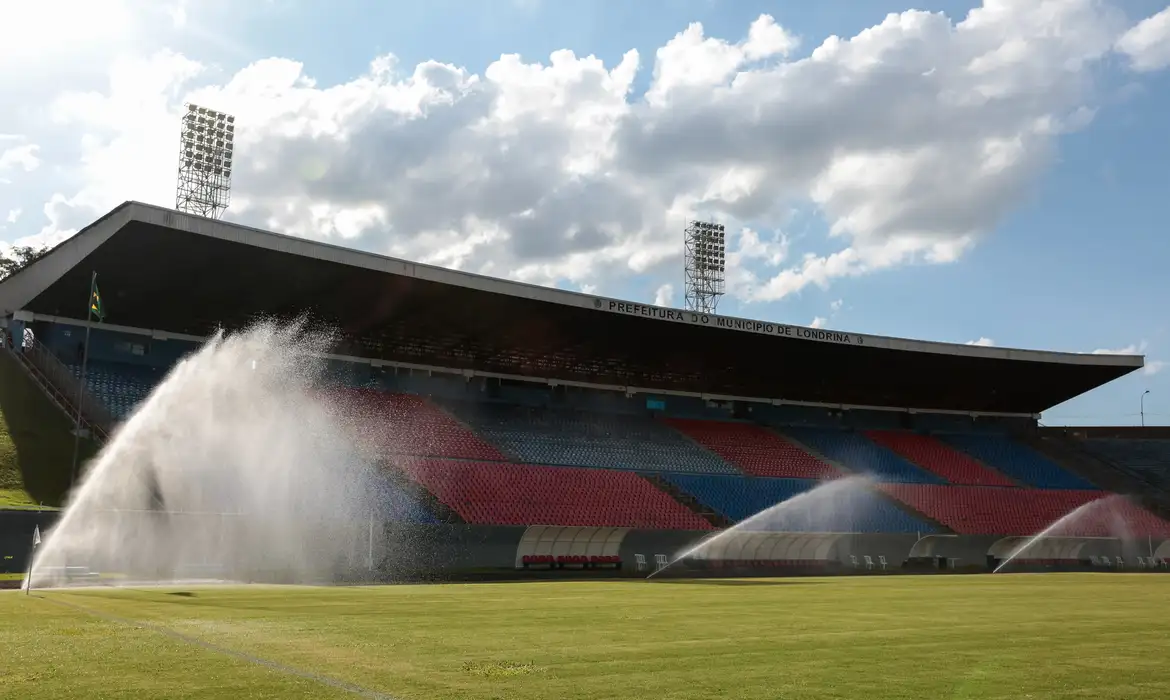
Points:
[(1143, 409)]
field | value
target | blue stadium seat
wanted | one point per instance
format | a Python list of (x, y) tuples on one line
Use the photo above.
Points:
[(854, 510), (1017, 461), (857, 453), (575, 438), (401, 507), (121, 387)]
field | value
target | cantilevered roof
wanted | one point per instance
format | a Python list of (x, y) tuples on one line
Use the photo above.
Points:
[(178, 273)]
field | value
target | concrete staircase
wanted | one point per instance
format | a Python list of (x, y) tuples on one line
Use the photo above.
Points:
[(718, 520), (57, 381)]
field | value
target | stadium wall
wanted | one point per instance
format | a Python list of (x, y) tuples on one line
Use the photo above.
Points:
[(16, 535), (460, 552)]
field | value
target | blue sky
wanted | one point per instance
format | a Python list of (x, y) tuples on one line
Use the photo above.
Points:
[(877, 222)]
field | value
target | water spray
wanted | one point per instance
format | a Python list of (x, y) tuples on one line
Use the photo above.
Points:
[(235, 465)]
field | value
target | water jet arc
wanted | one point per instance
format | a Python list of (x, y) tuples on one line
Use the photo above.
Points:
[(817, 510), (1058, 526), (236, 463)]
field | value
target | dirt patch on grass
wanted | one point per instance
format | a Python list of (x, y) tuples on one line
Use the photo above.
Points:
[(500, 669)]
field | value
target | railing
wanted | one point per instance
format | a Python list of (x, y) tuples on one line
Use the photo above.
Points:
[(57, 381)]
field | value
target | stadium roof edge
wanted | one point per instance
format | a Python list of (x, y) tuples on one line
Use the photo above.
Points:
[(25, 285)]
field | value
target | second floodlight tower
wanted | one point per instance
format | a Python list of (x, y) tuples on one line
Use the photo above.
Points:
[(206, 146), (703, 265)]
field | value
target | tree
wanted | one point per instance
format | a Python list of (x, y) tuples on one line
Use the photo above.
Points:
[(19, 257)]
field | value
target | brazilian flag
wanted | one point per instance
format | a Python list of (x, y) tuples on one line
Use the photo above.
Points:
[(96, 309)]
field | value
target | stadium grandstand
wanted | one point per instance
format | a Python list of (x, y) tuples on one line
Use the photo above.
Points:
[(537, 428)]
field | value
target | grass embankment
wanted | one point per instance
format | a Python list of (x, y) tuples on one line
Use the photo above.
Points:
[(879, 638), (36, 443)]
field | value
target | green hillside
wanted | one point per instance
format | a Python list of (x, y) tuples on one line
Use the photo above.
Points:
[(36, 442)]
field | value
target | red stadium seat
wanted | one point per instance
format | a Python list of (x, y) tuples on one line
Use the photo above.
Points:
[(513, 494), (411, 425), (983, 510), (940, 458), (754, 450)]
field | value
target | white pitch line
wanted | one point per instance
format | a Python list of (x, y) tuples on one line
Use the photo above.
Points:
[(242, 656)]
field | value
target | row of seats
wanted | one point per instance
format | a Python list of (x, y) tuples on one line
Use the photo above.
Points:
[(120, 387), (938, 457), (984, 510), (841, 507), (569, 437), (860, 454), (409, 424), (513, 494), (1017, 461), (755, 450)]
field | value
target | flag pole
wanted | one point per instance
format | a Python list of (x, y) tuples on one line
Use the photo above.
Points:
[(81, 384)]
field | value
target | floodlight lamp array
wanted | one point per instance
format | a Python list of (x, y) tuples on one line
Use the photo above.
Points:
[(703, 265), (208, 141), (709, 245)]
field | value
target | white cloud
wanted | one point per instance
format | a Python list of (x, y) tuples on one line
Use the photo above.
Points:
[(822, 321), (13, 215), (1151, 367), (982, 341), (1148, 43), (692, 63), (23, 157), (1130, 349), (912, 139), (44, 30), (664, 296)]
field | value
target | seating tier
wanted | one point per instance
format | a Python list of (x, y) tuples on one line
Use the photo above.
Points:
[(938, 457), (858, 454), (494, 493), (755, 450), (1017, 461), (568, 437), (842, 509), (412, 425), (121, 387), (984, 510)]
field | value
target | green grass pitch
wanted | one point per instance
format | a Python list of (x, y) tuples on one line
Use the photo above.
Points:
[(978, 637)]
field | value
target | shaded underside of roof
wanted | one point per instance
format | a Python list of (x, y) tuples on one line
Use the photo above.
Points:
[(178, 281)]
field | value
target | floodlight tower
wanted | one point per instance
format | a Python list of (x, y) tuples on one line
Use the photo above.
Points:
[(206, 142), (703, 265)]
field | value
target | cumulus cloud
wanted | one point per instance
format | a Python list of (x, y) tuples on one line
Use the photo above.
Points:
[(23, 157), (1147, 44), (818, 322), (836, 305), (1153, 367), (1131, 349), (982, 341), (911, 139)]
